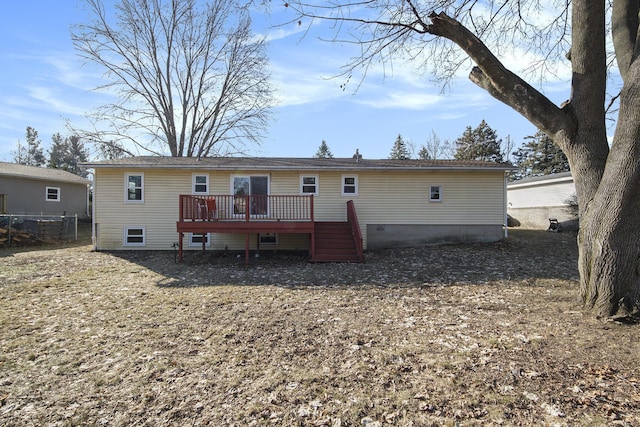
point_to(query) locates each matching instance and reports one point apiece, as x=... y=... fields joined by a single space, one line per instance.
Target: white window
x=268 y=239
x=52 y=194
x=309 y=184
x=200 y=184
x=435 y=193
x=134 y=236
x=349 y=185
x=134 y=188
x=196 y=239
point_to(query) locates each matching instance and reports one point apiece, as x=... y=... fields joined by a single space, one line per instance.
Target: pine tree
x=400 y=150
x=32 y=154
x=57 y=153
x=324 y=152
x=67 y=154
x=538 y=156
x=423 y=153
x=481 y=143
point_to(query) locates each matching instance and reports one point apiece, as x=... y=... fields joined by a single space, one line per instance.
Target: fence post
x=10 y=222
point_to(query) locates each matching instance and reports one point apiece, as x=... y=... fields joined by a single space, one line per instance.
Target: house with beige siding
x=333 y=208
x=31 y=190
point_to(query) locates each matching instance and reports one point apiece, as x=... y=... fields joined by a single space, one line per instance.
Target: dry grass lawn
x=460 y=335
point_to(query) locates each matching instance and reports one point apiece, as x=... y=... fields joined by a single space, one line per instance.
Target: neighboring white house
x=152 y=202
x=30 y=190
x=533 y=201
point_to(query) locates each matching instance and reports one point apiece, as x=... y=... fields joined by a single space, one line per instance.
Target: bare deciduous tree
x=434 y=148
x=444 y=35
x=191 y=79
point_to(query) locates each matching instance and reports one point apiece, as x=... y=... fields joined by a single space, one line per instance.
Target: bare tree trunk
x=609 y=240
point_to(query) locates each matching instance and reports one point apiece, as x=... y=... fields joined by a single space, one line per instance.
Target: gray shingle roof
x=292 y=163
x=33 y=172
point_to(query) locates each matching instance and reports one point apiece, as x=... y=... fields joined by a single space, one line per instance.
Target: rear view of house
x=30 y=190
x=295 y=204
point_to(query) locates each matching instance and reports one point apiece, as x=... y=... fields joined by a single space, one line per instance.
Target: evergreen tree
x=324 y=152
x=111 y=150
x=400 y=150
x=57 y=153
x=423 y=153
x=481 y=143
x=77 y=154
x=537 y=156
x=32 y=154
x=67 y=154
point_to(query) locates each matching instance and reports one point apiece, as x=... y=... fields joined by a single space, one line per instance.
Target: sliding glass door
x=251 y=191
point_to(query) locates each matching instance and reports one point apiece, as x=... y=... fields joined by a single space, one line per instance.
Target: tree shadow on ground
x=525 y=255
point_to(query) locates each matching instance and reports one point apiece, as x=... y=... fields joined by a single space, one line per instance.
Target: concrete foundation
x=538 y=218
x=381 y=236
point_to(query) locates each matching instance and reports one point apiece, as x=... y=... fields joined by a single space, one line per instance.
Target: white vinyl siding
x=543 y=194
x=384 y=197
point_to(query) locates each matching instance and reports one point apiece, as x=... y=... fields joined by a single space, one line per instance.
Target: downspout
x=506 y=216
x=94 y=238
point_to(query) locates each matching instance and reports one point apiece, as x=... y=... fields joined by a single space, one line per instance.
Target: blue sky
x=43 y=83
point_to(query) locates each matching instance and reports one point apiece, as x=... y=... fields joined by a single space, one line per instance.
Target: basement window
x=196 y=239
x=134 y=236
x=268 y=239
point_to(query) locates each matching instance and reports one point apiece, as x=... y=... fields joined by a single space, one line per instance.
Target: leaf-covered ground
x=458 y=335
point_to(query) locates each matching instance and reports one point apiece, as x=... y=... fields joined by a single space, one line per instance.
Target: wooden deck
x=257 y=214
x=245 y=215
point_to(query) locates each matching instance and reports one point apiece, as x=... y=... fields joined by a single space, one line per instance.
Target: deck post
x=180 y=248
x=246 y=249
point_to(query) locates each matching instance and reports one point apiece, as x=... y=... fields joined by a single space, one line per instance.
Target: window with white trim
x=435 y=193
x=134 y=235
x=268 y=239
x=200 y=184
x=349 y=185
x=134 y=188
x=196 y=239
x=52 y=194
x=309 y=184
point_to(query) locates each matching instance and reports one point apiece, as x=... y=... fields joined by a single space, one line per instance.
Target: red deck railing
x=245 y=208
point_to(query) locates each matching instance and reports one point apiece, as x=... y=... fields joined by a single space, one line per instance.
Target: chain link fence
x=20 y=230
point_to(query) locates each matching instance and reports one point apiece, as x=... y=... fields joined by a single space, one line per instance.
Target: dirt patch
x=444 y=335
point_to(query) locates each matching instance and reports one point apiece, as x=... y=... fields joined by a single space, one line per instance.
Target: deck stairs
x=335 y=242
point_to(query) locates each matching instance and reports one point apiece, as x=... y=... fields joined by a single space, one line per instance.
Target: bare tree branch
x=189 y=79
